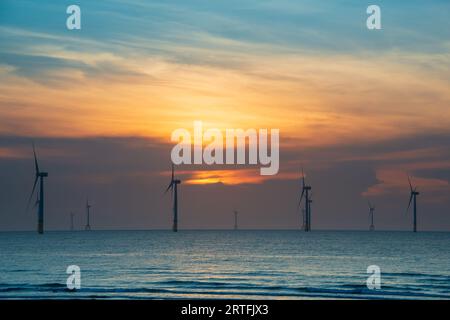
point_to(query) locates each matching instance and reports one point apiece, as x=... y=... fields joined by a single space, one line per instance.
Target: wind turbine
x=173 y=187
x=88 y=213
x=371 y=211
x=235 y=220
x=413 y=196
x=40 y=200
x=305 y=192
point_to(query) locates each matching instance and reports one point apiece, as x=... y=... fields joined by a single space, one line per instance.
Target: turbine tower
x=71 y=221
x=309 y=211
x=413 y=198
x=305 y=192
x=235 y=220
x=88 y=213
x=371 y=211
x=40 y=201
x=173 y=187
x=303 y=219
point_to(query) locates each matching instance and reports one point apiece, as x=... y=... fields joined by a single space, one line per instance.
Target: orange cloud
x=228 y=176
x=315 y=100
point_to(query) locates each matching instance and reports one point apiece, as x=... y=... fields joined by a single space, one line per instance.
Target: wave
x=437 y=277
x=191 y=289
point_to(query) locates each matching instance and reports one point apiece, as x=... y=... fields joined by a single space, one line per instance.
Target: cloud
x=358 y=110
x=395 y=181
x=126 y=177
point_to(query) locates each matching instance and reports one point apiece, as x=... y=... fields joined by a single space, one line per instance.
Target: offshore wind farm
x=190 y=149
x=303 y=255
x=305 y=197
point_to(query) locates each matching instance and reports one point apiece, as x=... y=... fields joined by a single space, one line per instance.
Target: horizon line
x=227 y=229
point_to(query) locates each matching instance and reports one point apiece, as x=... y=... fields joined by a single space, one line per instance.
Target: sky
x=358 y=109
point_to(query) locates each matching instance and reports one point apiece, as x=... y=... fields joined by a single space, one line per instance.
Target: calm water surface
x=225 y=264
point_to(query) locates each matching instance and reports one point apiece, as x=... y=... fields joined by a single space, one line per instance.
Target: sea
x=222 y=264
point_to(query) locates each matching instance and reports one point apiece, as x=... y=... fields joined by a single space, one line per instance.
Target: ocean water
x=225 y=264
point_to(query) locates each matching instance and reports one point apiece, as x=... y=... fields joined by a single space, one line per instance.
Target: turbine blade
x=409 y=204
x=410 y=185
x=170 y=187
x=301 y=197
x=32 y=192
x=35 y=161
x=303 y=178
x=36 y=203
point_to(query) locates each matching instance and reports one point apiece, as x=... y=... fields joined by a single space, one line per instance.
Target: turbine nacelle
x=413 y=190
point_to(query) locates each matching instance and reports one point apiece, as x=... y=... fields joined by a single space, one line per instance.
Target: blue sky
x=331 y=25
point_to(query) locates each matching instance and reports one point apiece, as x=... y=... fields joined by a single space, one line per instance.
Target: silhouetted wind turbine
x=371 y=211
x=88 y=213
x=413 y=197
x=305 y=192
x=173 y=187
x=40 y=201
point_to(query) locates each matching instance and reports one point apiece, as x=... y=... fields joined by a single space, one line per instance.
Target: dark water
x=225 y=264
